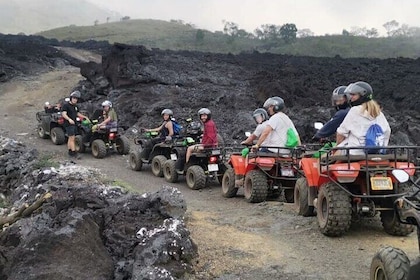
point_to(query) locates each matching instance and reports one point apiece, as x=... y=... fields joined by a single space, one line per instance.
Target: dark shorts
x=71 y=130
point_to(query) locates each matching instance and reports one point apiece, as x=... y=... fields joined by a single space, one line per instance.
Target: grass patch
x=46 y=160
x=120 y=183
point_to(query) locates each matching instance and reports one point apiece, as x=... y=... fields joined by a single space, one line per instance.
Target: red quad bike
x=262 y=174
x=51 y=125
x=391 y=263
x=346 y=187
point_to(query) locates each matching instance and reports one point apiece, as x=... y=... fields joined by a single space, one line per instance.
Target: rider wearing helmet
x=364 y=112
x=209 y=138
x=70 y=112
x=275 y=133
x=166 y=128
x=260 y=116
x=341 y=101
x=110 y=118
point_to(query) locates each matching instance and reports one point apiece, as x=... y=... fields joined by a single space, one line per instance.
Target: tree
x=199 y=36
x=288 y=32
x=107 y=19
x=345 y=33
x=303 y=33
x=391 y=27
x=96 y=22
x=230 y=28
x=125 y=18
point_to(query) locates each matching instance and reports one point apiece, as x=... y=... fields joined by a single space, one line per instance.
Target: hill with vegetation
x=175 y=35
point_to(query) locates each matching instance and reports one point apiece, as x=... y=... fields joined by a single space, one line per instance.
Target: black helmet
x=167 y=112
x=337 y=94
x=75 y=94
x=204 y=111
x=260 y=112
x=275 y=101
x=363 y=89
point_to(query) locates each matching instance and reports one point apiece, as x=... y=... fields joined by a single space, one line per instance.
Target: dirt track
x=236 y=240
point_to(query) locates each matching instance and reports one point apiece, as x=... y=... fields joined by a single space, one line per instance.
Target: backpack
x=374 y=138
x=176 y=127
x=292 y=139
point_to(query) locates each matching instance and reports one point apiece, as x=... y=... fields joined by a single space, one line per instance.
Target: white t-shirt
x=280 y=123
x=355 y=126
x=260 y=128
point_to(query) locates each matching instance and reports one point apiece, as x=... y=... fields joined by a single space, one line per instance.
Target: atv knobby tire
x=389 y=264
x=169 y=171
x=228 y=183
x=333 y=210
x=78 y=144
x=301 y=198
x=255 y=186
x=157 y=165
x=134 y=159
x=41 y=132
x=392 y=224
x=99 y=148
x=57 y=136
x=122 y=145
x=195 y=177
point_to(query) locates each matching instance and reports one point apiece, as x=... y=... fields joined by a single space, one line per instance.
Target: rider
x=209 y=134
x=340 y=100
x=70 y=112
x=364 y=112
x=276 y=132
x=109 y=117
x=260 y=116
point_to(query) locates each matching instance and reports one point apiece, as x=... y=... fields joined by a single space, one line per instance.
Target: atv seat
x=369 y=157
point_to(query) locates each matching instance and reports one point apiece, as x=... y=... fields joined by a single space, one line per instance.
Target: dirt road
x=236 y=240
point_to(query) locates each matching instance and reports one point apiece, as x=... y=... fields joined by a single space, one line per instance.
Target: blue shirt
x=330 y=128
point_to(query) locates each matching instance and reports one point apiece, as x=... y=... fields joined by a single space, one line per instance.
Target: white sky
x=321 y=16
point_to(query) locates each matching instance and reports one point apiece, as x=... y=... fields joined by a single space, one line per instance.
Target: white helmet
x=107 y=103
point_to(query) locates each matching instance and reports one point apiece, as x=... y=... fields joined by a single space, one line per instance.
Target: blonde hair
x=372 y=108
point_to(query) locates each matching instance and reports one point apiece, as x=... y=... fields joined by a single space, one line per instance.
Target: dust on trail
x=234 y=237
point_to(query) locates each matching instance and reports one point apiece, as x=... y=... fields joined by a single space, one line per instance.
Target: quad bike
x=262 y=174
x=391 y=263
x=346 y=187
x=101 y=141
x=51 y=125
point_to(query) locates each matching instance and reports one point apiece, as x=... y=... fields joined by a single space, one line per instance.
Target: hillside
x=29 y=16
x=175 y=36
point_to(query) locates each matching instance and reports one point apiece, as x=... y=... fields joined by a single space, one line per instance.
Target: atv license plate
x=113 y=129
x=174 y=157
x=287 y=173
x=381 y=183
x=213 y=167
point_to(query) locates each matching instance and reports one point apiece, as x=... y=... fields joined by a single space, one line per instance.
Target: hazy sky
x=321 y=16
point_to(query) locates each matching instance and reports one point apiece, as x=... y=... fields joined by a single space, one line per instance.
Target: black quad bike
x=391 y=263
x=50 y=125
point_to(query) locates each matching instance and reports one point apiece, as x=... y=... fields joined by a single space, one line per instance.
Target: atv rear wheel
x=99 y=148
x=157 y=165
x=57 y=136
x=78 y=144
x=169 y=171
x=228 y=183
x=301 y=198
x=390 y=221
x=123 y=145
x=389 y=264
x=333 y=210
x=134 y=160
x=41 y=132
x=195 y=177
x=255 y=186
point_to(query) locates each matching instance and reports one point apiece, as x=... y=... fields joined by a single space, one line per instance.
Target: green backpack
x=292 y=138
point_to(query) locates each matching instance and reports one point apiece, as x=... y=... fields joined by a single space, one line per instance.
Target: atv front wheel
x=169 y=171
x=255 y=186
x=41 y=132
x=195 y=177
x=333 y=210
x=389 y=264
x=301 y=198
x=157 y=165
x=134 y=159
x=57 y=136
x=228 y=183
x=99 y=148
x=78 y=144
x=123 y=145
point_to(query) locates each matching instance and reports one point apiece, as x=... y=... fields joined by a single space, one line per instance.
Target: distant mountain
x=31 y=16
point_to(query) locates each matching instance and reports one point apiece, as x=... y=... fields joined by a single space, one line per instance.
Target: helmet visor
x=355 y=89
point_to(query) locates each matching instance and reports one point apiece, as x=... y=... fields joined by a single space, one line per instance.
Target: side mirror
x=247 y=133
x=400 y=175
x=318 y=125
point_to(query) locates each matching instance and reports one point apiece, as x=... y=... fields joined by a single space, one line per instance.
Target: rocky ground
x=235 y=239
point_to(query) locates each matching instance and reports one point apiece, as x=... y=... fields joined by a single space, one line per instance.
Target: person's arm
x=339 y=138
x=263 y=136
x=66 y=117
x=156 y=129
x=249 y=140
x=170 y=128
x=80 y=115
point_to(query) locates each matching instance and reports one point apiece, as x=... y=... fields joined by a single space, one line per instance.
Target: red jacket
x=210 y=134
